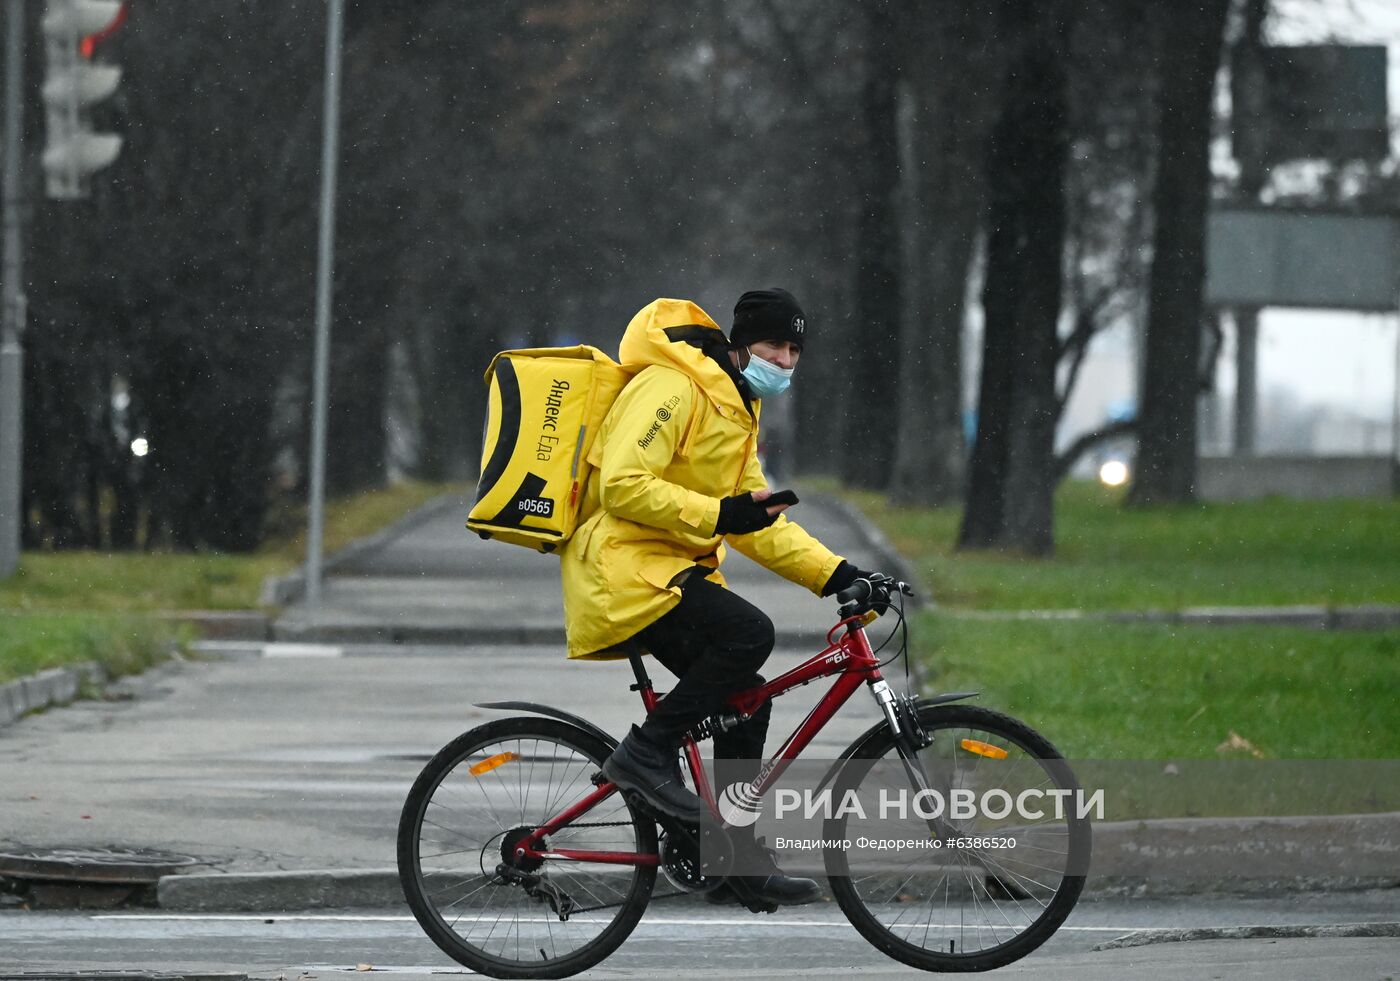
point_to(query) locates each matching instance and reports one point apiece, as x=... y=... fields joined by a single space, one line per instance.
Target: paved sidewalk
x=435 y=582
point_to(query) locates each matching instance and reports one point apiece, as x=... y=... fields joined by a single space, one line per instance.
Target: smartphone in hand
x=781 y=497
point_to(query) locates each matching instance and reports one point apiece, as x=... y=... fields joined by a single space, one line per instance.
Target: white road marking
x=260 y=648
x=284 y=649
x=646 y=921
x=388 y=969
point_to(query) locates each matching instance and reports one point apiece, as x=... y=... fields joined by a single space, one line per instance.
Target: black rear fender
x=553 y=713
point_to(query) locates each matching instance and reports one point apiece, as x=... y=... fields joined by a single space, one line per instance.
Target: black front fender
x=882 y=727
x=553 y=713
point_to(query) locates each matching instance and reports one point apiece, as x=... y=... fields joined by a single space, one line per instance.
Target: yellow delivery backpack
x=543 y=412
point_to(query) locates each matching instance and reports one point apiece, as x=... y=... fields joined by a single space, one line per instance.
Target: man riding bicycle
x=679 y=480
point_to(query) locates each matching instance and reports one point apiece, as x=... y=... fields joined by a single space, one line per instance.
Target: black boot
x=654 y=772
x=768 y=885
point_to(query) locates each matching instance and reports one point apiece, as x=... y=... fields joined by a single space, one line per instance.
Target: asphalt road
x=809 y=942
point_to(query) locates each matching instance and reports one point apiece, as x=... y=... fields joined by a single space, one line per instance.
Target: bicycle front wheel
x=472 y=804
x=994 y=889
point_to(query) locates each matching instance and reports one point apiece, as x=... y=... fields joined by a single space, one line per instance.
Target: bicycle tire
x=466 y=821
x=858 y=909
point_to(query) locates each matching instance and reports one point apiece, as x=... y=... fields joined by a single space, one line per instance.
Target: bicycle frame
x=848 y=657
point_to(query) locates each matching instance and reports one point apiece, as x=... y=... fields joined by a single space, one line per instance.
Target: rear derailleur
x=538 y=888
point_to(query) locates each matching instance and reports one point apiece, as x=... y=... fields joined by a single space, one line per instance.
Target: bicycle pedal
x=759 y=906
x=641 y=804
x=722 y=897
x=741 y=894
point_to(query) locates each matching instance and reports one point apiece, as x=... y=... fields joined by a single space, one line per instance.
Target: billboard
x=1316 y=101
x=1257 y=257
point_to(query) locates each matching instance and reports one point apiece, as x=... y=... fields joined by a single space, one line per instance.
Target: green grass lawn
x=145 y=581
x=1108 y=557
x=64 y=607
x=1108 y=690
x=1102 y=690
x=123 y=645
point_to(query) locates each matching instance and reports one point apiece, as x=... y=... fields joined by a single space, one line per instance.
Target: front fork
x=902 y=716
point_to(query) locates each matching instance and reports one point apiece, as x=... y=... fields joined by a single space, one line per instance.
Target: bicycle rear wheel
x=973 y=907
x=472 y=803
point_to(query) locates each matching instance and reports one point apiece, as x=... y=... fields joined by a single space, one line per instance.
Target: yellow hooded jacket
x=676 y=441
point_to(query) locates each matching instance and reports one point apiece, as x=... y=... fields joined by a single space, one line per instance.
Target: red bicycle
x=520 y=860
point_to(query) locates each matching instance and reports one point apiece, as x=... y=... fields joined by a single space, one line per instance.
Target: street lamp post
x=325 y=268
x=12 y=300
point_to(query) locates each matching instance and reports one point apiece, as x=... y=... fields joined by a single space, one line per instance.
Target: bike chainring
x=680 y=861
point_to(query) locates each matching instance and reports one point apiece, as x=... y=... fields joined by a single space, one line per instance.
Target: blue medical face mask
x=765 y=378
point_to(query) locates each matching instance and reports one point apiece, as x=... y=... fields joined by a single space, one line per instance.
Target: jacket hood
x=659 y=334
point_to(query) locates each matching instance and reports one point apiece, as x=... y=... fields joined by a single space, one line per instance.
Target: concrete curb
x=252 y=891
x=224 y=624
x=1141 y=938
x=1191 y=846
x=1252 y=855
x=466 y=636
x=1368 y=617
x=54 y=686
x=288 y=588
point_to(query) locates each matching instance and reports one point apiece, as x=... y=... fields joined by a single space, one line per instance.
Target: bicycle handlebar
x=876 y=590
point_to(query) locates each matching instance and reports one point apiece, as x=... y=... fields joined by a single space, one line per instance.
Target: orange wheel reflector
x=491 y=762
x=983 y=749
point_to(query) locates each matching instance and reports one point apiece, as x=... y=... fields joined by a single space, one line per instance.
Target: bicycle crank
x=681 y=862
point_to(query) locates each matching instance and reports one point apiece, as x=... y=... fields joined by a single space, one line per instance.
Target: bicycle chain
x=616 y=824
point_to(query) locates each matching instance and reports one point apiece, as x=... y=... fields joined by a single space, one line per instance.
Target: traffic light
x=73 y=29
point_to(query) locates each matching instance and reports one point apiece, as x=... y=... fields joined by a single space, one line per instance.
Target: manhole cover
x=119 y=866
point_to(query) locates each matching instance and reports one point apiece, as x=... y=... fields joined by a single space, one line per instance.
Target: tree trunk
x=450 y=359
x=1010 y=492
x=818 y=444
x=1166 y=461
x=869 y=419
x=444 y=376
x=946 y=122
x=355 y=434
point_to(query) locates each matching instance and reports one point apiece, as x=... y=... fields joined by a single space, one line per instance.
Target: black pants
x=714 y=642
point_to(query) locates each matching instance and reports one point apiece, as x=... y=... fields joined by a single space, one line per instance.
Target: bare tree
x=951 y=59
x=1108 y=222
x=1010 y=490
x=1192 y=37
x=878 y=282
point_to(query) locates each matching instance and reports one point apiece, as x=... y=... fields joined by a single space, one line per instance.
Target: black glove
x=845 y=575
x=741 y=514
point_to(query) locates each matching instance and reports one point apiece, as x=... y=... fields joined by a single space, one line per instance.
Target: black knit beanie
x=768 y=315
